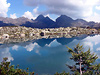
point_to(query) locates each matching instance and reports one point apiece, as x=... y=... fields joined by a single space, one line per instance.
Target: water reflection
x=31 y=46
x=4 y=52
x=15 y=47
x=47 y=56
x=92 y=42
x=54 y=43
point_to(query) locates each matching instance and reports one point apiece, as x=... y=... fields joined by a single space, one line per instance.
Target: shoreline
x=26 y=34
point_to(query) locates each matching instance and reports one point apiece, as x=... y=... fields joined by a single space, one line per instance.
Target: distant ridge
x=46 y=22
x=18 y=21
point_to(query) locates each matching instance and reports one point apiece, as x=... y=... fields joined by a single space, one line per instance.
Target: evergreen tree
x=84 y=61
x=6 y=69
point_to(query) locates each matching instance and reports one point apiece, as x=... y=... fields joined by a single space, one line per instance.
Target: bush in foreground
x=6 y=69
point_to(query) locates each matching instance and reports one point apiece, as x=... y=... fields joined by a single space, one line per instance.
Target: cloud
x=31 y=2
x=97 y=7
x=15 y=47
x=31 y=15
x=32 y=46
x=98 y=49
x=47 y=15
x=88 y=45
x=54 y=43
x=90 y=41
x=95 y=17
x=94 y=39
x=28 y=15
x=13 y=16
x=5 y=53
x=96 y=43
x=35 y=10
x=4 y=7
x=72 y=8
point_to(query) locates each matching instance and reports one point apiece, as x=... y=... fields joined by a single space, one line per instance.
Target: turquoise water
x=47 y=56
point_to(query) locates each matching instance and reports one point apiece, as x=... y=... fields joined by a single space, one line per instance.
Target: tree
x=6 y=69
x=63 y=73
x=84 y=60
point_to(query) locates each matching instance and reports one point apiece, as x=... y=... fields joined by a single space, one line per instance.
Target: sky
x=76 y=9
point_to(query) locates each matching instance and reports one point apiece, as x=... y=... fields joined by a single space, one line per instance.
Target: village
x=20 y=33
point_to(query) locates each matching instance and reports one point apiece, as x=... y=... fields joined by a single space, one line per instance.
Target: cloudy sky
x=85 y=9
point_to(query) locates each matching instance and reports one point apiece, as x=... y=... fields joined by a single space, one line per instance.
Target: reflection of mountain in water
x=35 y=44
x=63 y=41
x=47 y=55
x=43 y=42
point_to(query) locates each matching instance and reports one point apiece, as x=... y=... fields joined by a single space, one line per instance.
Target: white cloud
x=47 y=15
x=54 y=43
x=35 y=10
x=96 y=43
x=98 y=49
x=5 y=53
x=88 y=45
x=4 y=7
x=95 y=39
x=72 y=8
x=95 y=17
x=32 y=46
x=91 y=42
x=97 y=7
x=88 y=42
x=28 y=15
x=31 y=15
x=13 y=16
x=15 y=47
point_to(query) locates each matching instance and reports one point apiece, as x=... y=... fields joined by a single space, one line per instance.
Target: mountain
x=40 y=22
x=18 y=21
x=64 y=21
x=46 y=22
x=79 y=23
x=5 y=24
x=40 y=18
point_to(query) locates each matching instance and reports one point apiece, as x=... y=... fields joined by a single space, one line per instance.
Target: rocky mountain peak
x=46 y=22
x=64 y=17
x=39 y=18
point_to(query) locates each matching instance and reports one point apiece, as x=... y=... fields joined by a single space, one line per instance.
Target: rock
x=5 y=36
x=22 y=35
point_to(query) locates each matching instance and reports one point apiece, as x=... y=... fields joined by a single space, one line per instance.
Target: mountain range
x=46 y=22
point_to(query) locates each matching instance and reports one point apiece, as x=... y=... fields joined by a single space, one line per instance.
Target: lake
x=47 y=56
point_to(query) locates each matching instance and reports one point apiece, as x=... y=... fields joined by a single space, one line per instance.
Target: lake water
x=47 y=56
